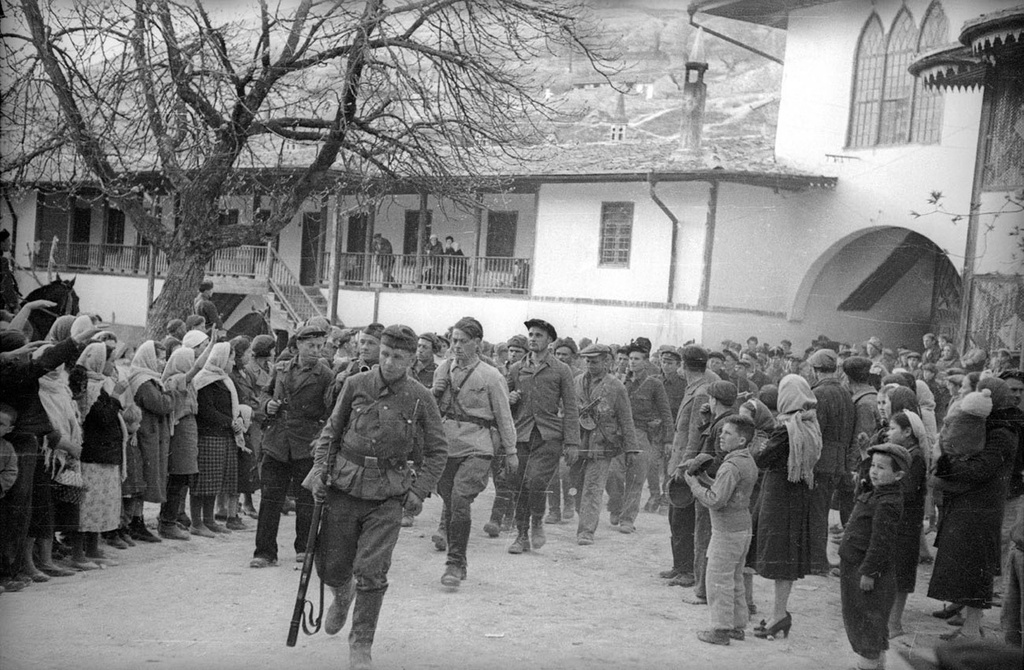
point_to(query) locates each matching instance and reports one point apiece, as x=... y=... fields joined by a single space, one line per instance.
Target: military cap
x=399 y=337
x=731 y=354
x=694 y=354
x=309 y=331
x=641 y=344
x=263 y=345
x=567 y=342
x=857 y=367
x=824 y=359
x=543 y=325
x=670 y=351
x=374 y=330
x=596 y=350
x=435 y=342
x=470 y=327
x=723 y=392
x=518 y=341
x=913 y=354
x=899 y=454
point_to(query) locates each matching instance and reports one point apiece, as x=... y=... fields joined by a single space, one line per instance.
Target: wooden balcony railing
x=245 y=261
x=479 y=274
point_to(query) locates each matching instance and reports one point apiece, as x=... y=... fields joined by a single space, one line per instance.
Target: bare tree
x=174 y=97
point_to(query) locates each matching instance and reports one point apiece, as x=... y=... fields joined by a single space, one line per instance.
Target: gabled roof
x=772 y=13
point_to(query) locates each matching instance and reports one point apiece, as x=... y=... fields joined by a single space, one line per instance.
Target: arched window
x=867 y=85
x=926 y=123
x=898 y=91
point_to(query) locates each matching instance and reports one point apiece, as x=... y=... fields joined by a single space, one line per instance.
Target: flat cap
x=716 y=354
x=518 y=341
x=899 y=453
x=913 y=354
x=824 y=359
x=435 y=342
x=374 y=330
x=309 y=331
x=857 y=366
x=543 y=325
x=399 y=337
x=723 y=392
x=694 y=354
x=567 y=342
x=596 y=350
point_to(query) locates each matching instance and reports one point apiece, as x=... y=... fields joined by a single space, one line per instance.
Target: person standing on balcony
x=385 y=259
x=297 y=401
x=537 y=383
x=433 y=274
x=204 y=306
x=456 y=265
x=10 y=296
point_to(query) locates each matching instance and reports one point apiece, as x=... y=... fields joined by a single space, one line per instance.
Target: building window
x=114 y=233
x=227 y=218
x=412 y=224
x=618 y=133
x=888 y=106
x=616 y=233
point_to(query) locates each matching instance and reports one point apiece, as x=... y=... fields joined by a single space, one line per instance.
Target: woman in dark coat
x=154 y=433
x=783 y=525
x=973 y=494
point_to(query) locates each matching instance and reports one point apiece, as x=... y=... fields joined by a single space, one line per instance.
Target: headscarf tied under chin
x=215 y=370
x=94 y=359
x=176 y=381
x=145 y=367
x=61 y=329
x=797 y=413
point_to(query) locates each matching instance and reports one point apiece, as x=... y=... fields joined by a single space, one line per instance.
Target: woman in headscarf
x=133 y=483
x=183 y=455
x=145 y=379
x=788 y=459
x=764 y=424
x=103 y=444
x=248 y=390
x=218 y=421
x=970 y=522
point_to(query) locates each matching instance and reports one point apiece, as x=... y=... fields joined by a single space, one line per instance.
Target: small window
x=618 y=133
x=616 y=233
x=228 y=218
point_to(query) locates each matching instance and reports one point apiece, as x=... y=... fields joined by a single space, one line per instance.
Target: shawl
x=176 y=381
x=764 y=423
x=924 y=441
x=61 y=329
x=926 y=400
x=61 y=409
x=797 y=413
x=214 y=371
x=145 y=367
x=94 y=359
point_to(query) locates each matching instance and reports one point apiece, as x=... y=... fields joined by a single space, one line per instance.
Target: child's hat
x=977 y=403
x=897 y=452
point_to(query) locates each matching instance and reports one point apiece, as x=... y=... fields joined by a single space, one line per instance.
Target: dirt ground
x=198 y=605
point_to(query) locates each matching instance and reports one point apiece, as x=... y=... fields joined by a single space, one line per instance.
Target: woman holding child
x=973 y=489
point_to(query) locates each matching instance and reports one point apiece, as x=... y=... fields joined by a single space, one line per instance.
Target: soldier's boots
x=337 y=613
x=364 y=626
x=537 y=531
x=492 y=529
x=522 y=543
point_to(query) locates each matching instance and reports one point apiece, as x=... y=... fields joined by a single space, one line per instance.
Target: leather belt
x=372 y=461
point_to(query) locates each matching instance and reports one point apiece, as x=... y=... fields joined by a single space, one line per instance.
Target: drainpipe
x=731 y=40
x=709 y=246
x=652 y=182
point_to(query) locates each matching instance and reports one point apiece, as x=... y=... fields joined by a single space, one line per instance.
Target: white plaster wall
x=114 y=298
x=24 y=206
x=504 y=317
x=568 y=242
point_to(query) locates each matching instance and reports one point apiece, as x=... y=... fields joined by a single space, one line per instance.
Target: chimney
x=695 y=93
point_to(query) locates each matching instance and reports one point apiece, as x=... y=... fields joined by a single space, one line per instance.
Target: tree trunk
x=184 y=272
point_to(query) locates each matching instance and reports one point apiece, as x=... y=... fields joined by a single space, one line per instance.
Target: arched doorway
x=888 y=282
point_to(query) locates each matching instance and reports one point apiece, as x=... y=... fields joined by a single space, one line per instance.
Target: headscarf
x=214 y=371
x=903 y=399
x=82 y=323
x=764 y=423
x=61 y=328
x=145 y=367
x=176 y=382
x=1002 y=398
x=926 y=400
x=94 y=359
x=797 y=412
x=194 y=338
x=61 y=409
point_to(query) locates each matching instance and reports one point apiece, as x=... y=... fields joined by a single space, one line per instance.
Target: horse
x=62 y=293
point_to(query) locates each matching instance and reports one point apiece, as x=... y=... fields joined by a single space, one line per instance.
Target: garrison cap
x=399 y=337
x=543 y=325
x=824 y=359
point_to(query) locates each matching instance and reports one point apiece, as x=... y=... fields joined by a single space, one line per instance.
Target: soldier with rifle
x=380 y=416
x=606 y=430
x=296 y=403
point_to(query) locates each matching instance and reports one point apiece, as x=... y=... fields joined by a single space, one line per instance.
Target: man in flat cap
x=427 y=347
x=681 y=519
x=205 y=307
x=361 y=471
x=606 y=431
x=297 y=401
x=865 y=424
x=473 y=399
x=653 y=421
x=537 y=384
x=837 y=418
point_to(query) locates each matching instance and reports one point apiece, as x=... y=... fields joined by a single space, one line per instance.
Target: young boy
x=728 y=499
x=867 y=579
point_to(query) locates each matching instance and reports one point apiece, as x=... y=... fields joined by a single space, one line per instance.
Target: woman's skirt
x=213 y=466
x=100 y=509
x=184 y=452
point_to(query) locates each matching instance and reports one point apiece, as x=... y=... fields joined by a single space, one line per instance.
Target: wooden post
x=421 y=233
x=332 y=289
x=151 y=277
x=709 y=247
x=475 y=269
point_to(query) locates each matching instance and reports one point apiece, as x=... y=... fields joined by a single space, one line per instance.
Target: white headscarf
x=145 y=367
x=176 y=382
x=94 y=359
x=194 y=338
x=215 y=370
x=797 y=412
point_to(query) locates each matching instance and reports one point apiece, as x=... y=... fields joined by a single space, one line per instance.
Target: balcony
x=249 y=268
